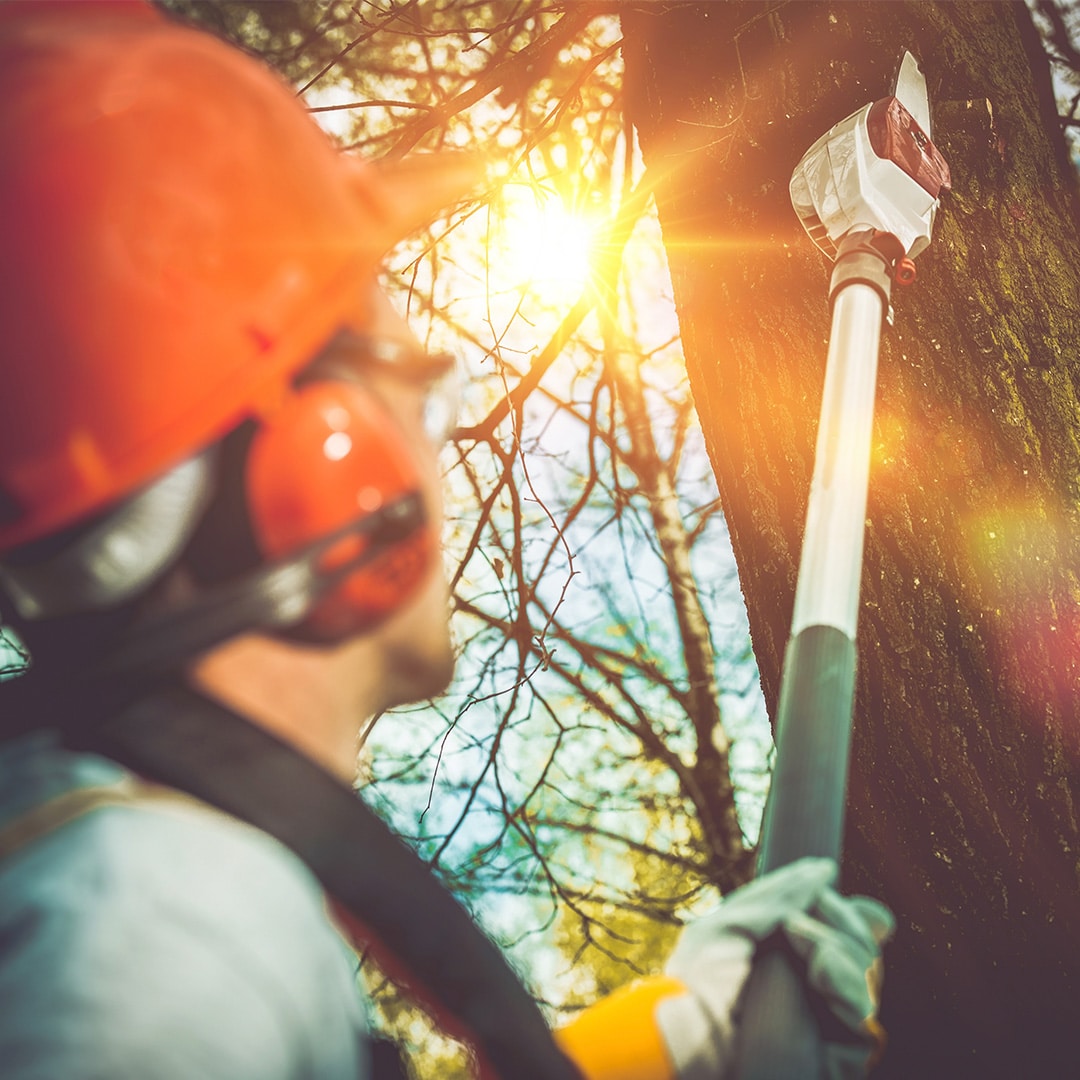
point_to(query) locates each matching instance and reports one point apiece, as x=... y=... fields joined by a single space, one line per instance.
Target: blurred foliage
x=1058 y=22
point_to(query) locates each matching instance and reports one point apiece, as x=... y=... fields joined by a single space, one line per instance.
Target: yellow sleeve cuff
x=618 y=1037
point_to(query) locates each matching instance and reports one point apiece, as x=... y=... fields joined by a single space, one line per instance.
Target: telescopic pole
x=866 y=192
x=779 y=1035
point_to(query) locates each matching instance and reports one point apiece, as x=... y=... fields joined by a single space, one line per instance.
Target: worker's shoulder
x=77 y=826
x=121 y=900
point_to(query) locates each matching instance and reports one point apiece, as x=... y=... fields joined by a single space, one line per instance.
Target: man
x=219 y=512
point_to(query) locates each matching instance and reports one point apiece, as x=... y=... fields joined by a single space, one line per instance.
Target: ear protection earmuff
x=331 y=454
x=331 y=515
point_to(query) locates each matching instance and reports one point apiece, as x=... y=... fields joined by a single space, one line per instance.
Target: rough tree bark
x=966 y=764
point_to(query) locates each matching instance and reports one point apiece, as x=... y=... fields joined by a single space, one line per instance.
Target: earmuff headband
x=273 y=597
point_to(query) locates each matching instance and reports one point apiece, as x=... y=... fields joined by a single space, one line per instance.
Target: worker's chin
x=415 y=652
x=416 y=674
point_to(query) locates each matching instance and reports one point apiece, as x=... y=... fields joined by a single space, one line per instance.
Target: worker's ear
x=403 y=196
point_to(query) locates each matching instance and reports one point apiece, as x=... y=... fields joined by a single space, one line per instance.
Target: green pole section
x=779 y=1035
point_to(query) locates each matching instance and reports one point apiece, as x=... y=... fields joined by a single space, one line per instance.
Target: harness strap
x=68 y=806
x=54 y=814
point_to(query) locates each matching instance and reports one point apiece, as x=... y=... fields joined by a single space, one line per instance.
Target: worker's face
x=413 y=647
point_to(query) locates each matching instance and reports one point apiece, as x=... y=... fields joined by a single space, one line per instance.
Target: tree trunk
x=966 y=763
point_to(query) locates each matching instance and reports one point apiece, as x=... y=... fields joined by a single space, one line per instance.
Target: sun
x=541 y=246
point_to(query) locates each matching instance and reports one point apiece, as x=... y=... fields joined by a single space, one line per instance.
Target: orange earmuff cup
x=329 y=455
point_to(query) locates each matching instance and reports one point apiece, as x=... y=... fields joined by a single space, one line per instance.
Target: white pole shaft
x=830 y=569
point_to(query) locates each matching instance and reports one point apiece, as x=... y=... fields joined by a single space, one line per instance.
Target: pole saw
x=866 y=192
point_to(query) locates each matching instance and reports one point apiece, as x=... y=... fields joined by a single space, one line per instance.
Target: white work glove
x=838 y=938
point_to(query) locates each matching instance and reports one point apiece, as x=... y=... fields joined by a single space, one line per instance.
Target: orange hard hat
x=179 y=237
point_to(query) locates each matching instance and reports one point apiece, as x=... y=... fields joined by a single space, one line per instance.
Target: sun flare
x=541 y=246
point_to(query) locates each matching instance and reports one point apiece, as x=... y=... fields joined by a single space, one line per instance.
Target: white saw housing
x=877 y=169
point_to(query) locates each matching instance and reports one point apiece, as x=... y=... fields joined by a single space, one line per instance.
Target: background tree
x=962 y=801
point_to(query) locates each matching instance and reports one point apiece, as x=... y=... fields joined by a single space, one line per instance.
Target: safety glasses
x=351 y=355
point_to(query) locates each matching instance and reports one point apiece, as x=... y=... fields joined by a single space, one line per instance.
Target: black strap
x=274 y=596
x=180 y=738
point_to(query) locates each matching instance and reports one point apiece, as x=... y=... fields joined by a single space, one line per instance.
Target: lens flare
x=541 y=246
